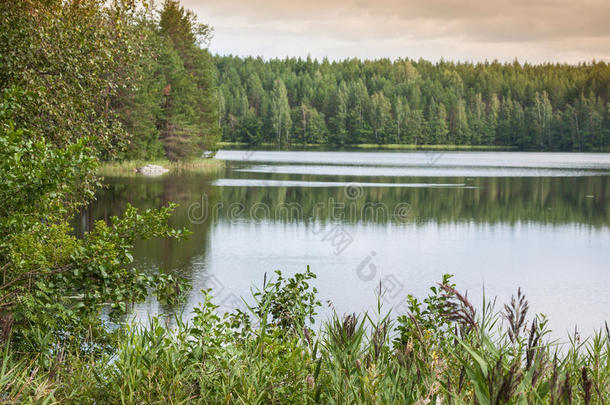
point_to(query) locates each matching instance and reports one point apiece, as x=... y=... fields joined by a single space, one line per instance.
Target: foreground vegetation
x=442 y=350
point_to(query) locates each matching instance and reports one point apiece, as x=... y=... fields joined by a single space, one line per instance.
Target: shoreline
x=127 y=168
x=388 y=146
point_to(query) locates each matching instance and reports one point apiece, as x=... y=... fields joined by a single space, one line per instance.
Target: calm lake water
x=497 y=221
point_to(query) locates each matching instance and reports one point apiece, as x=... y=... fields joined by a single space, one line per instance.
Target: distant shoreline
x=390 y=146
x=368 y=146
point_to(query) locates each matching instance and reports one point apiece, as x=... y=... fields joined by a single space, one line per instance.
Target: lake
x=495 y=220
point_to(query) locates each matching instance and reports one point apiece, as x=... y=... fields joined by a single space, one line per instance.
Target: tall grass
x=444 y=350
x=128 y=168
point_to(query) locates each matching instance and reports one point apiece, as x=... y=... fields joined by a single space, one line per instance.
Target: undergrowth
x=444 y=350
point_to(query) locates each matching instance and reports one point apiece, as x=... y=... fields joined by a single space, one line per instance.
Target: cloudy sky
x=467 y=30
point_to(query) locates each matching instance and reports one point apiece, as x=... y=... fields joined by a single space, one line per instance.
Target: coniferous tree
x=280 y=112
x=189 y=118
x=380 y=115
x=503 y=105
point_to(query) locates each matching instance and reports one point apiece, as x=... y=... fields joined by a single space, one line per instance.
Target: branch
x=31 y=273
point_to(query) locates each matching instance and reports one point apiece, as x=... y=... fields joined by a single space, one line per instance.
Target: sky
x=535 y=31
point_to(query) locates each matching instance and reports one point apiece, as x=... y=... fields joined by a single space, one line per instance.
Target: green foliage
x=249 y=129
x=187 y=122
x=138 y=86
x=528 y=107
x=288 y=303
x=51 y=279
x=21 y=382
x=279 y=112
x=427 y=316
x=39 y=182
x=82 y=80
x=73 y=59
x=445 y=353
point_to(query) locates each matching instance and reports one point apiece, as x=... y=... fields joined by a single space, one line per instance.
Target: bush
x=462 y=356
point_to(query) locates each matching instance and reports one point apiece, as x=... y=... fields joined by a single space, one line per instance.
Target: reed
x=128 y=168
x=444 y=350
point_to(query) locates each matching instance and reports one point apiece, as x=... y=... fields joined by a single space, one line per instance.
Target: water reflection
x=547 y=234
x=426 y=171
x=427 y=159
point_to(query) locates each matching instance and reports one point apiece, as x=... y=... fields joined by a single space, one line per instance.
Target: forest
x=137 y=81
x=549 y=107
x=89 y=81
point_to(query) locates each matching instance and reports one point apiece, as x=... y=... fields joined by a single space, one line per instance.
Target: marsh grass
x=128 y=168
x=444 y=350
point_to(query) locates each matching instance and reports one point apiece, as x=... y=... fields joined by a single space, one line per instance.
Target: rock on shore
x=152 y=170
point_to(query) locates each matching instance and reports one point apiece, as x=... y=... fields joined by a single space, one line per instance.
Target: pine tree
x=461 y=130
x=482 y=104
x=280 y=112
x=189 y=121
x=380 y=116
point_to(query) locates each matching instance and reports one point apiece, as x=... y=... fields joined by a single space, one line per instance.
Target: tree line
x=137 y=80
x=550 y=107
x=173 y=111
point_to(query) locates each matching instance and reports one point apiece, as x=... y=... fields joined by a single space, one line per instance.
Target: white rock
x=152 y=170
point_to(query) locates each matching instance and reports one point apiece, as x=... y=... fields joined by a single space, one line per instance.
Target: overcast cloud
x=534 y=31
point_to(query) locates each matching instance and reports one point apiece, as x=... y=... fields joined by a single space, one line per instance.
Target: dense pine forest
x=551 y=107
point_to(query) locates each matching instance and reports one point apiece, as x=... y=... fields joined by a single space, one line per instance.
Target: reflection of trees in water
x=494 y=200
x=552 y=200
x=143 y=193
